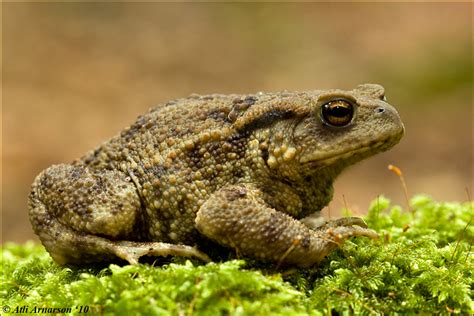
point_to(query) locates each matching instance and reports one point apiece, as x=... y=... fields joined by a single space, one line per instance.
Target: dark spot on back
x=250 y=100
x=195 y=153
x=265 y=154
x=218 y=114
x=305 y=242
x=239 y=106
x=76 y=173
x=235 y=193
x=237 y=173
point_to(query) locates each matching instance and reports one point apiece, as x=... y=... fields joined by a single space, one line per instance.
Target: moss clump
x=423 y=263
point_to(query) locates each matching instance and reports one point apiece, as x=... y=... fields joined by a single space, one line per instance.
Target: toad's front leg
x=238 y=217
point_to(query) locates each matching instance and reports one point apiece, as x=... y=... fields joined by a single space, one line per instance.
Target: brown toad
x=239 y=170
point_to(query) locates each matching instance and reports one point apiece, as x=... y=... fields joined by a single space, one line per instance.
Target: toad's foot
x=132 y=251
x=341 y=229
x=319 y=223
x=338 y=234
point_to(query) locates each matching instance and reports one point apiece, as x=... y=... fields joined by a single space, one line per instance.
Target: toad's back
x=177 y=155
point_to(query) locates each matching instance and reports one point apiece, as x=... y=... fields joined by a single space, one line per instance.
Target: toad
x=237 y=170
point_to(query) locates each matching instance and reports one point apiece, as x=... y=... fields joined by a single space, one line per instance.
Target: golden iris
x=338 y=112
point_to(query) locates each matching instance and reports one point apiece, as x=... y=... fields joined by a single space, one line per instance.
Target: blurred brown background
x=76 y=74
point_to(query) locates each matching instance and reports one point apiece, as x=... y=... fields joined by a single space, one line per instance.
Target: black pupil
x=339 y=110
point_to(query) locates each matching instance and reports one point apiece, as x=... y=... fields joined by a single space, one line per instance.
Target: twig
x=399 y=173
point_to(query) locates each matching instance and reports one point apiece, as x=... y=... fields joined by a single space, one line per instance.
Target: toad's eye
x=337 y=112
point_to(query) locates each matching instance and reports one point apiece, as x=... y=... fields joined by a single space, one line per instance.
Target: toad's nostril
x=379 y=110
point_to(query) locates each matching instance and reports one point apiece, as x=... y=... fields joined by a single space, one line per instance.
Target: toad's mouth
x=351 y=155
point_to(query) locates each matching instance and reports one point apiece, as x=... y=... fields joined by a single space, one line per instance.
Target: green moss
x=423 y=263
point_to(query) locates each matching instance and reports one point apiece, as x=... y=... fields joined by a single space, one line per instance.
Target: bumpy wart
x=237 y=170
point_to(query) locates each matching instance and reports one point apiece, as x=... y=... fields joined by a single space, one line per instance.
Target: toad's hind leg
x=82 y=217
